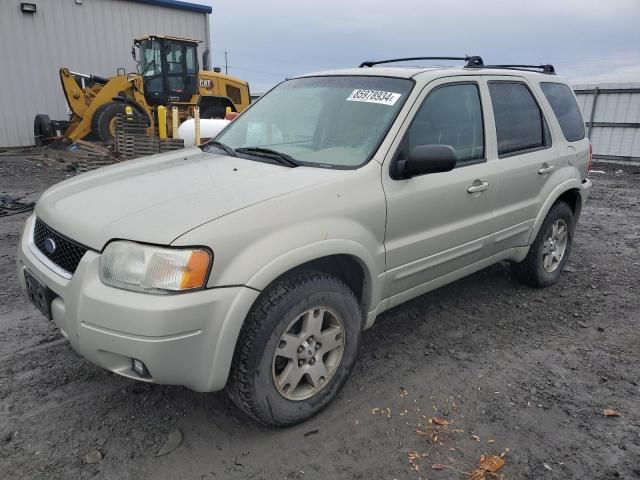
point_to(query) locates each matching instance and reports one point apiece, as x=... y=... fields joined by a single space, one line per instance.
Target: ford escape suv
x=254 y=262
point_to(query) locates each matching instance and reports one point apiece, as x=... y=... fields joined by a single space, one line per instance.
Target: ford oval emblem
x=49 y=245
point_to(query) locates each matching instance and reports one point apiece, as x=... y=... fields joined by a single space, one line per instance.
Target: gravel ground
x=512 y=370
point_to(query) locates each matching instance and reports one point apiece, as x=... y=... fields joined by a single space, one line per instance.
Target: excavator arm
x=84 y=102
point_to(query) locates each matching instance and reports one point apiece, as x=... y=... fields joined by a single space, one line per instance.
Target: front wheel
x=104 y=120
x=550 y=250
x=296 y=350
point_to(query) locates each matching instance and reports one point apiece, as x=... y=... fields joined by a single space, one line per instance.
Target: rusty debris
x=488 y=466
x=439 y=421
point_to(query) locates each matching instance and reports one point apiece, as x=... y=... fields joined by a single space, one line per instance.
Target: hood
x=159 y=198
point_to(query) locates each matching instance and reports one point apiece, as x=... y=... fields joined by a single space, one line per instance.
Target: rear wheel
x=103 y=122
x=296 y=350
x=42 y=129
x=550 y=250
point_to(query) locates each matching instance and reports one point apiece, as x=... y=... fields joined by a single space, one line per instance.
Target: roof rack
x=472 y=61
x=547 y=68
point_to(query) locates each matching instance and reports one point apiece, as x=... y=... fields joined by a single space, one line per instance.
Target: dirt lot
x=508 y=367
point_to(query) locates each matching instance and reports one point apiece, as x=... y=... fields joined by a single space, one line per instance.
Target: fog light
x=139 y=367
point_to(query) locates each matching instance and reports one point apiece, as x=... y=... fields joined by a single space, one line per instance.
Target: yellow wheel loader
x=168 y=75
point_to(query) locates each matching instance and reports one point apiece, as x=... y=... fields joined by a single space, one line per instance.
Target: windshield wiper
x=222 y=146
x=282 y=158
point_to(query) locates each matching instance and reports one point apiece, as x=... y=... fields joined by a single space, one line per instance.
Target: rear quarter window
x=566 y=110
x=520 y=124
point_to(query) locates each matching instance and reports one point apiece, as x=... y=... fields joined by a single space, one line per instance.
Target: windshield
x=150 y=62
x=324 y=121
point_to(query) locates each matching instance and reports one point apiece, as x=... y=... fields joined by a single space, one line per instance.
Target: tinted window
x=565 y=107
x=451 y=115
x=519 y=121
x=234 y=94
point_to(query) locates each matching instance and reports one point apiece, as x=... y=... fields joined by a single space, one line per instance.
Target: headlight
x=145 y=268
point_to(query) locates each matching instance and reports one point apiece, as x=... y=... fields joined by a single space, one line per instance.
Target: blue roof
x=178 y=4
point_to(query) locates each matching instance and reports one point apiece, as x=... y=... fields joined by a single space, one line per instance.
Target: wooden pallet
x=88 y=164
x=132 y=140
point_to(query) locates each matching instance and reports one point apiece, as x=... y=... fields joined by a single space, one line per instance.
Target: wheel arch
x=347 y=260
x=346 y=267
x=349 y=267
x=568 y=192
x=206 y=102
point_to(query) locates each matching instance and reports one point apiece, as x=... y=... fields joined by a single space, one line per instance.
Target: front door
x=440 y=223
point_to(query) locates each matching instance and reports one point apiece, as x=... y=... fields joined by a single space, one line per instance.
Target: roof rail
x=547 y=68
x=472 y=61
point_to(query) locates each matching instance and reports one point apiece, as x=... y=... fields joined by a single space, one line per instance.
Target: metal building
x=612 y=114
x=39 y=37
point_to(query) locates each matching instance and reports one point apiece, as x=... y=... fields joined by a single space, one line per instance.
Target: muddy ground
x=515 y=371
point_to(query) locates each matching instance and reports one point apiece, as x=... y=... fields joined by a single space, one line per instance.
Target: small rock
x=569 y=269
x=173 y=441
x=600 y=329
x=460 y=355
x=93 y=456
x=583 y=325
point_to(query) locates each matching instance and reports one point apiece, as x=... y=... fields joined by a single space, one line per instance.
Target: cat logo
x=204 y=83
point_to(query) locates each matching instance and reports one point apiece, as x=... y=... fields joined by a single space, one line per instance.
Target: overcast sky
x=587 y=40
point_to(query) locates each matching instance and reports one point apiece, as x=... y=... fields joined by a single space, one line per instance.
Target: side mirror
x=133 y=53
x=425 y=159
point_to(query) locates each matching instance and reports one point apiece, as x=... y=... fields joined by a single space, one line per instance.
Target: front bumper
x=184 y=339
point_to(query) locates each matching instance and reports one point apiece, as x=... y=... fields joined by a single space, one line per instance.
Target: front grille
x=67 y=253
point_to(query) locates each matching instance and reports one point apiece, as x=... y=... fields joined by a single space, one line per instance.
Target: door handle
x=547 y=169
x=478 y=187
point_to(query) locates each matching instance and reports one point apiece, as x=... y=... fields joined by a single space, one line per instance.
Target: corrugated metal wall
x=614 y=124
x=93 y=37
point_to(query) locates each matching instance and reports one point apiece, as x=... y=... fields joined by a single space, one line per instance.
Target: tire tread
x=239 y=387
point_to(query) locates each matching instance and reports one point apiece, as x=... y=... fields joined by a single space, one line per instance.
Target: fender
x=294 y=258
x=242 y=304
x=571 y=184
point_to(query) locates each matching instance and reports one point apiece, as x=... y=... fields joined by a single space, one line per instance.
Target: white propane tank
x=209 y=128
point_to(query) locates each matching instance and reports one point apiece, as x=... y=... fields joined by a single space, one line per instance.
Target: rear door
x=526 y=157
x=439 y=223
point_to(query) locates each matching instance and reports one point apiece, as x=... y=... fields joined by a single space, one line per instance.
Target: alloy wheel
x=308 y=353
x=555 y=245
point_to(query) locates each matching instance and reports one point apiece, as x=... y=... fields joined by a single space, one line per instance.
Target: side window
x=191 y=60
x=520 y=124
x=451 y=115
x=566 y=109
x=234 y=94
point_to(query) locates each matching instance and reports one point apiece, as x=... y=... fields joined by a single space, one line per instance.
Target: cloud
x=268 y=41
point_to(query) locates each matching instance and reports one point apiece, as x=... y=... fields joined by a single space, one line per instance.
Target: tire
x=42 y=129
x=536 y=270
x=103 y=121
x=256 y=383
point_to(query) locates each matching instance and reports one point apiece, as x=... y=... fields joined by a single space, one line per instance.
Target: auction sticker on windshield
x=374 y=96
